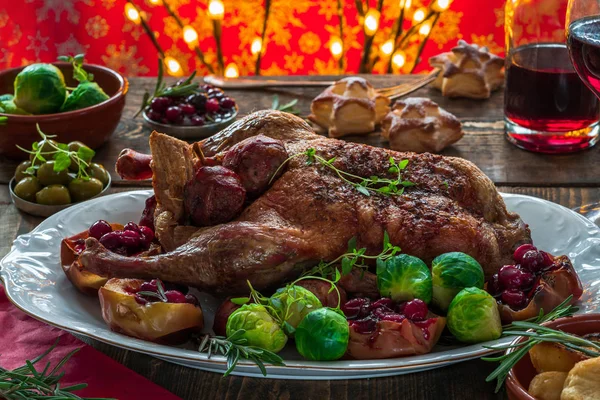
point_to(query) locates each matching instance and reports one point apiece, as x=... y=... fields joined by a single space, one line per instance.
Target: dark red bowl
x=92 y=125
x=522 y=373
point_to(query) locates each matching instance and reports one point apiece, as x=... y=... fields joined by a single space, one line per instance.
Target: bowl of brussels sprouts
x=75 y=101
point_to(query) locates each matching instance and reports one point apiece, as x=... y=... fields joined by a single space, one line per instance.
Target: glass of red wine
x=547 y=108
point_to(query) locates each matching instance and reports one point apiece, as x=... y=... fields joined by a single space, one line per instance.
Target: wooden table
x=570 y=180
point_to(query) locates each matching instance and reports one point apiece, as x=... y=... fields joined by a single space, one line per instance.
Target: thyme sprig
x=536 y=334
x=287 y=107
x=235 y=347
x=26 y=382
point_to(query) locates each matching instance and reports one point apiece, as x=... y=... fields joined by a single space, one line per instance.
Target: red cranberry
x=381 y=311
x=174 y=296
x=140 y=300
x=154 y=116
x=147 y=218
x=493 y=286
x=130 y=239
x=147 y=235
x=131 y=226
x=521 y=250
x=365 y=325
x=160 y=104
x=394 y=317
x=532 y=261
x=191 y=299
x=197 y=120
x=207 y=87
x=79 y=248
x=197 y=100
x=187 y=109
x=415 y=310
x=515 y=299
x=227 y=102
x=547 y=259
x=212 y=105
x=356 y=308
x=383 y=302
x=151 y=286
x=111 y=240
x=511 y=277
x=173 y=114
x=99 y=229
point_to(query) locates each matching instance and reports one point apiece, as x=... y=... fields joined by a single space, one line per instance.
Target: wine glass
x=583 y=42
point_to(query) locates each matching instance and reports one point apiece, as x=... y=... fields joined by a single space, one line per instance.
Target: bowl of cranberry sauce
x=198 y=115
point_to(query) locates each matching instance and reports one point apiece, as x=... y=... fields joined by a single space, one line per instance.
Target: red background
x=297 y=36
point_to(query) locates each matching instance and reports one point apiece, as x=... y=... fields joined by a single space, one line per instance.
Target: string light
x=371 y=21
x=132 y=13
x=155 y=2
x=425 y=29
x=336 y=47
x=190 y=35
x=173 y=66
x=231 y=71
x=405 y=4
x=216 y=9
x=256 y=46
x=387 y=47
x=419 y=15
x=441 y=5
x=399 y=59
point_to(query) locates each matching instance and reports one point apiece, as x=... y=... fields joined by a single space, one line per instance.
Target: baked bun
x=349 y=106
x=468 y=71
x=420 y=125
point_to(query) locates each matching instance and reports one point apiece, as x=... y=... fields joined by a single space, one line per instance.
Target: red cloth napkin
x=24 y=338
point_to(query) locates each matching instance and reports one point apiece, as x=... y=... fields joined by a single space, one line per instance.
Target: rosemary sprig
x=287 y=107
x=536 y=334
x=234 y=347
x=26 y=382
x=159 y=294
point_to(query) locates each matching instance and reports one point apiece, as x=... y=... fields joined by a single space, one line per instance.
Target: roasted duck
x=308 y=213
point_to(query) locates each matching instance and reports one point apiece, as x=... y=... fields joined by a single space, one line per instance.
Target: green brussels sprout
x=292 y=304
x=40 y=89
x=404 y=278
x=261 y=330
x=451 y=273
x=473 y=316
x=86 y=94
x=6 y=97
x=9 y=107
x=323 y=335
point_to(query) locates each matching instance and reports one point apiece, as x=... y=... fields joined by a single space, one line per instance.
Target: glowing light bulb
x=173 y=66
x=231 y=71
x=336 y=47
x=155 y=2
x=132 y=13
x=216 y=9
x=441 y=5
x=256 y=46
x=405 y=4
x=387 y=47
x=399 y=59
x=371 y=21
x=189 y=34
x=425 y=29
x=419 y=15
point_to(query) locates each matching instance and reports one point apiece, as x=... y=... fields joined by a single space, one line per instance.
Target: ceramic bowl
x=41 y=210
x=522 y=373
x=190 y=132
x=91 y=125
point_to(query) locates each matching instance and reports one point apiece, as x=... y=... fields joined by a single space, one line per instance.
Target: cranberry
x=493 y=286
x=154 y=116
x=394 y=317
x=383 y=302
x=197 y=120
x=173 y=114
x=511 y=277
x=140 y=300
x=416 y=310
x=191 y=299
x=547 y=259
x=212 y=105
x=131 y=226
x=187 y=109
x=176 y=287
x=515 y=299
x=79 y=248
x=532 y=261
x=521 y=250
x=197 y=100
x=151 y=286
x=180 y=82
x=147 y=218
x=160 y=104
x=174 y=296
x=147 y=235
x=215 y=93
x=207 y=87
x=381 y=311
x=227 y=102
x=99 y=229
x=111 y=240
x=365 y=325
x=356 y=308
x=130 y=239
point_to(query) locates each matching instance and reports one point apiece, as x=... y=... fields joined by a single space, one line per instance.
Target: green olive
x=75 y=146
x=20 y=171
x=48 y=176
x=47 y=150
x=27 y=188
x=82 y=190
x=53 y=195
x=99 y=172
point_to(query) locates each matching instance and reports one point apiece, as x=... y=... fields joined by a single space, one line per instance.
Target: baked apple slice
x=146 y=310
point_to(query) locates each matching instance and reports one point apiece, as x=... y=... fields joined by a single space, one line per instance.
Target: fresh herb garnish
x=536 y=334
x=79 y=74
x=62 y=156
x=234 y=347
x=287 y=107
x=162 y=90
x=159 y=294
x=26 y=382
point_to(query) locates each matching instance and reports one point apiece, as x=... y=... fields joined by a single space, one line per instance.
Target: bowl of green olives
x=56 y=176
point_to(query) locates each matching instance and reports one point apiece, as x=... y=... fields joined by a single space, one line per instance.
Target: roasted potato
x=583 y=381
x=554 y=357
x=547 y=385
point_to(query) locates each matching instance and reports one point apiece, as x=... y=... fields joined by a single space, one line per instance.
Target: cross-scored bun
x=420 y=125
x=468 y=71
x=349 y=106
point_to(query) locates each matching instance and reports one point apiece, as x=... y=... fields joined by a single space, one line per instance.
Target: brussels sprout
x=404 y=278
x=292 y=304
x=40 y=89
x=9 y=107
x=7 y=97
x=473 y=316
x=451 y=273
x=86 y=94
x=323 y=335
x=261 y=330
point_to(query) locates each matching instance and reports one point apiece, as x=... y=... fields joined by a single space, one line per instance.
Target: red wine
x=584 y=44
x=544 y=93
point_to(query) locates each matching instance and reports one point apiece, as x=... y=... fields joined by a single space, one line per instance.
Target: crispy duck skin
x=309 y=214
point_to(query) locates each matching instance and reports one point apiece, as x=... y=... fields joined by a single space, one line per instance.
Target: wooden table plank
x=484 y=141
